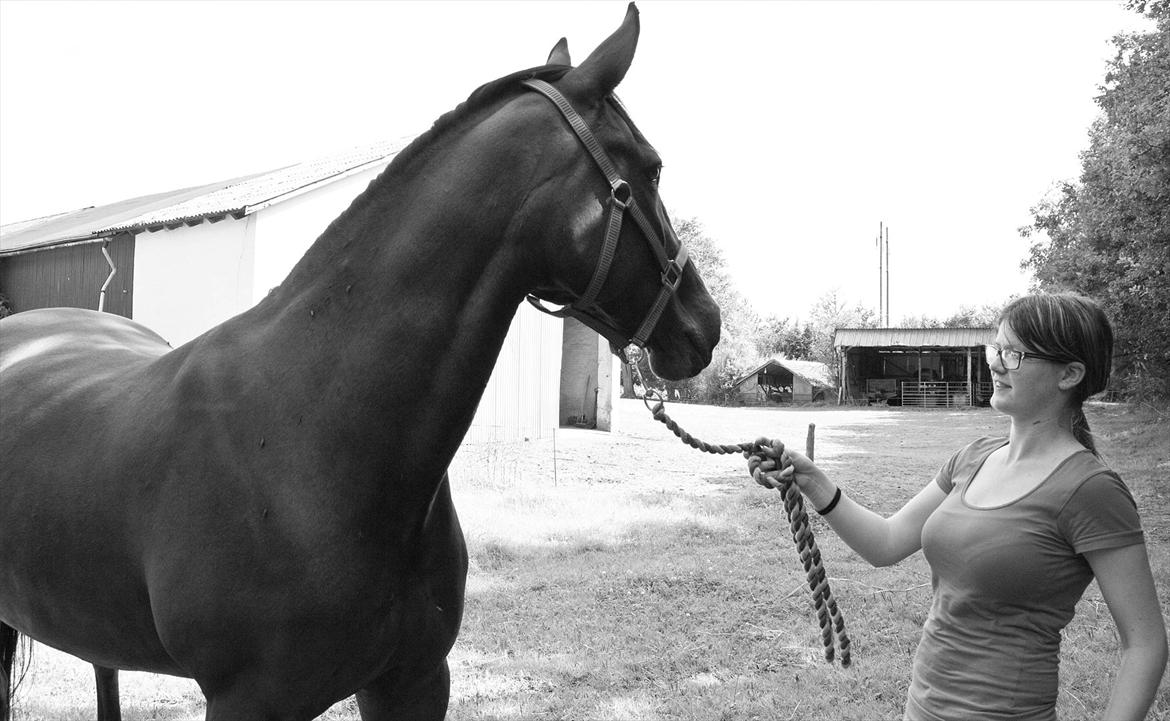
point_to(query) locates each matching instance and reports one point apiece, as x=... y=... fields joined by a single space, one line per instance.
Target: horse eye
x=655 y=175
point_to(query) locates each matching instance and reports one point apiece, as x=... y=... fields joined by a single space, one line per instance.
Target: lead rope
x=765 y=462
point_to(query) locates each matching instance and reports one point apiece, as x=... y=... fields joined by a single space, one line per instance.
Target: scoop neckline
x=1037 y=487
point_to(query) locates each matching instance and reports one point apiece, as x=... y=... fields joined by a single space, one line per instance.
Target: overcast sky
x=790 y=129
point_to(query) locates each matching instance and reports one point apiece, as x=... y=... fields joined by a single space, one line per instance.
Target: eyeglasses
x=1011 y=358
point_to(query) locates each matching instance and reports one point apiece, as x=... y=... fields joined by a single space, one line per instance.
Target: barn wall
x=71 y=277
x=589 y=373
x=609 y=376
x=749 y=393
x=191 y=279
x=520 y=400
x=284 y=231
x=802 y=390
x=578 y=384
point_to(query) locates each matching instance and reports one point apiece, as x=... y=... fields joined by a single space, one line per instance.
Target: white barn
x=186 y=260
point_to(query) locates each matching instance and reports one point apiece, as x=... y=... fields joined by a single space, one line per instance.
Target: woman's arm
x=881 y=541
x=1127 y=584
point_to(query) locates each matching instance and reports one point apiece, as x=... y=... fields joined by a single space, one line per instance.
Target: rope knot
x=766 y=461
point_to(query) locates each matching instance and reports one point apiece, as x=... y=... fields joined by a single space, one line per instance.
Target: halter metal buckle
x=621 y=193
x=672 y=275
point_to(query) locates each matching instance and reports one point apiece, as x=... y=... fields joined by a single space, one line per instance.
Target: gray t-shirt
x=1006 y=581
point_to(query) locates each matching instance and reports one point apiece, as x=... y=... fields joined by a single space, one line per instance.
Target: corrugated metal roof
x=237 y=197
x=815 y=372
x=912 y=337
x=87 y=223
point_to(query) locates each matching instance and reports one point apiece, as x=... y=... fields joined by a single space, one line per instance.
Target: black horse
x=266 y=509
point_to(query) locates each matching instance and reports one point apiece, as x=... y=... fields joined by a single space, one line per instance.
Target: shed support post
x=842 y=366
x=970 y=388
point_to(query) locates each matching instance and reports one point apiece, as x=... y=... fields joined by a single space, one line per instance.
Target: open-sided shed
x=781 y=380
x=914 y=366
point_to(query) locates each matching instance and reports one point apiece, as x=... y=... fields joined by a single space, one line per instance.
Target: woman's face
x=1032 y=389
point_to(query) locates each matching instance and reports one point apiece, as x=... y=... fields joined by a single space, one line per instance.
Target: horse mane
x=482 y=96
x=491 y=92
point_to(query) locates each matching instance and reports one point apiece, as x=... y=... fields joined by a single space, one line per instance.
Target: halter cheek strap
x=621 y=201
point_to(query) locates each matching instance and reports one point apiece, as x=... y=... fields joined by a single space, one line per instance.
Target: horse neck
x=392 y=322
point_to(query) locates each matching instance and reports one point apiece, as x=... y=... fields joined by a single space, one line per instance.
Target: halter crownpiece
x=621 y=201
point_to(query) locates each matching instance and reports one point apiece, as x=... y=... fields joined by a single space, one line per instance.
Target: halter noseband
x=621 y=201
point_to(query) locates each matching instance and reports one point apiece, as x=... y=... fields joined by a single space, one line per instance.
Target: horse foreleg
x=407 y=695
x=108 y=706
x=7 y=656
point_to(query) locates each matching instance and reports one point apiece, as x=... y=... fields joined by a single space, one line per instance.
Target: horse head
x=608 y=253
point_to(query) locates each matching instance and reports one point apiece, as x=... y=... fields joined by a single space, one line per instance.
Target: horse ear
x=607 y=65
x=560 y=54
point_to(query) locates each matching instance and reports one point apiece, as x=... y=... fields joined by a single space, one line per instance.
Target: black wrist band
x=832 y=504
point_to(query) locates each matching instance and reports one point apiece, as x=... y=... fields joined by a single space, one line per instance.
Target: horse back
x=60 y=367
x=33 y=341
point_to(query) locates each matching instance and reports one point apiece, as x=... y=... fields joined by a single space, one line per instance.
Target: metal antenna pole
x=879 y=247
x=887 y=276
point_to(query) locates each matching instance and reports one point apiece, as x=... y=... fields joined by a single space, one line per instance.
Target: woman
x=1014 y=530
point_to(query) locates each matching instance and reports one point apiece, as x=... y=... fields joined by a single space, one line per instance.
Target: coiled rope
x=765 y=462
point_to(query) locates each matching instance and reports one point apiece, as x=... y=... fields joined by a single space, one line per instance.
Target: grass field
x=625 y=576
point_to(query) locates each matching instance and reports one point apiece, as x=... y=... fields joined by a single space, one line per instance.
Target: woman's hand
x=811 y=481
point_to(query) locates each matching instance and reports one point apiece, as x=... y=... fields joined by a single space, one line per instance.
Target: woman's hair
x=1070 y=326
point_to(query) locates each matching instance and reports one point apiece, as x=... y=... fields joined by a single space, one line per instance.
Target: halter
x=621 y=201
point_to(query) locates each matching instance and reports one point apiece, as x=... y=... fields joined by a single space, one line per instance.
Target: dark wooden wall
x=71 y=276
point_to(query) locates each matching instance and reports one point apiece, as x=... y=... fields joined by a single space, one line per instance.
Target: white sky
x=790 y=129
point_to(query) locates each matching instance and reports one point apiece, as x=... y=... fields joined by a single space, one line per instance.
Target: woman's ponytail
x=1081 y=430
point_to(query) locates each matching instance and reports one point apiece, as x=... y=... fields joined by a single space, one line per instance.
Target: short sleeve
x=1101 y=514
x=945 y=477
x=966 y=460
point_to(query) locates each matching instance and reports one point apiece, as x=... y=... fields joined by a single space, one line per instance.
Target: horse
x=266 y=509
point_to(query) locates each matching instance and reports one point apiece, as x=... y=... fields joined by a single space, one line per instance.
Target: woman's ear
x=1072 y=376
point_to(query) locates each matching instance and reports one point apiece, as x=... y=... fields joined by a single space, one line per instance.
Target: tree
x=780 y=337
x=828 y=314
x=1108 y=235
x=967 y=316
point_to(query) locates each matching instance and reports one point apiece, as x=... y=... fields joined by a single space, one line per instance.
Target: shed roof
x=236 y=197
x=912 y=337
x=816 y=373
